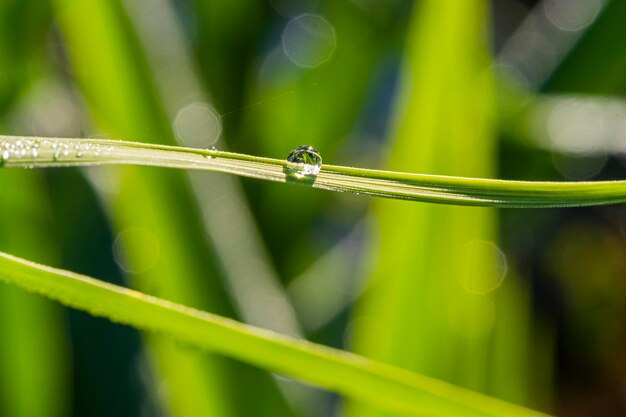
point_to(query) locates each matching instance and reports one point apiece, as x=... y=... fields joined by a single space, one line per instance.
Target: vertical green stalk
x=154 y=211
x=512 y=372
x=34 y=360
x=431 y=303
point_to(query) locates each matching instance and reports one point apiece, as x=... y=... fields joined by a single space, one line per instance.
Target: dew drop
x=211 y=149
x=304 y=161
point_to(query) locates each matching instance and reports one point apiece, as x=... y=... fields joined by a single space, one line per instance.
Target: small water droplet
x=304 y=161
x=212 y=149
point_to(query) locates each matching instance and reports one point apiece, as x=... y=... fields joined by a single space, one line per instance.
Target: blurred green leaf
x=430 y=305
x=118 y=85
x=23 y=26
x=28 y=322
x=595 y=65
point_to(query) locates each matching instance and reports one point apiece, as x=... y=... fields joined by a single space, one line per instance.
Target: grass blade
x=396 y=185
x=425 y=255
x=226 y=216
x=380 y=385
x=28 y=321
x=116 y=84
x=119 y=86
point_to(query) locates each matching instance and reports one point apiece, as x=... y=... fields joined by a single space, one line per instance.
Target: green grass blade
x=227 y=218
x=118 y=84
x=109 y=66
x=382 y=386
x=593 y=66
x=430 y=302
x=512 y=376
x=28 y=321
x=396 y=185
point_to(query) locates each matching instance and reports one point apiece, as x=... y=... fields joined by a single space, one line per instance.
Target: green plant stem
x=396 y=185
x=381 y=385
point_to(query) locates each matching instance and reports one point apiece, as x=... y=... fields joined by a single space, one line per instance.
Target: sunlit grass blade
x=511 y=375
x=429 y=306
x=331 y=285
x=227 y=218
x=380 y=385
x=396 y=185
x=156 y=208
x=28 y=321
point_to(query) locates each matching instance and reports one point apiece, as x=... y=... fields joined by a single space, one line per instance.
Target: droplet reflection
x=304 y=161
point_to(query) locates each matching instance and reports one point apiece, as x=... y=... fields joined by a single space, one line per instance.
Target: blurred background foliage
x=527 y=306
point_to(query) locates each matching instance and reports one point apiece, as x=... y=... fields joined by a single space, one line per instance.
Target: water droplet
x=304 y=161
x=211 y=149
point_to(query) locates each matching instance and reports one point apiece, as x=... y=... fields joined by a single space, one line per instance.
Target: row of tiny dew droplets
x=32 y=148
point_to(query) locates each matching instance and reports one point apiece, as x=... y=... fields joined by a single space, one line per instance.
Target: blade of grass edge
x=381 y=385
